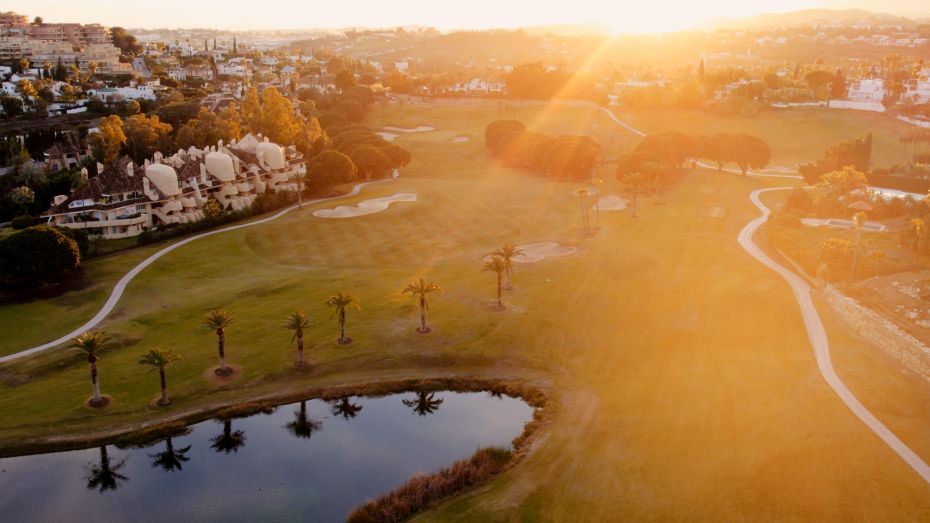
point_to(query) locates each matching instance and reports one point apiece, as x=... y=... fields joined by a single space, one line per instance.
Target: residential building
x=125 y=199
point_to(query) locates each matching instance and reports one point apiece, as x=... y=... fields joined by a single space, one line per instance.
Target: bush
x=22 y=221
x=79 y=237
x=423 y=489
x=37 y=255
x=799 y=200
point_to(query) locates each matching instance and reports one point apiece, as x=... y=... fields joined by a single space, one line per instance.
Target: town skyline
x=659 y=17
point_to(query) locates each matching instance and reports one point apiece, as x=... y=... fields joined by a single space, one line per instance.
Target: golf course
x=680 y=377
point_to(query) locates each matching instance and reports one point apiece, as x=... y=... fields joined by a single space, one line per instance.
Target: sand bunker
x=460 y=139
x=541 y=250
x=366 y=207
x=388 y=137
x=420 y=129
x=611 y=203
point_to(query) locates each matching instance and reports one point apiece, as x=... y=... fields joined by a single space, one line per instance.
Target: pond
x=314 y=460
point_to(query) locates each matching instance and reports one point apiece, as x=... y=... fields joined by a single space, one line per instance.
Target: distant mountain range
x=806 y=17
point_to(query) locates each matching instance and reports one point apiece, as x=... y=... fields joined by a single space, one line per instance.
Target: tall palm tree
x=105 y=476
x=157 y=359
x=636 y=183
x=917 y=229
x=425 y=403
x=340 y=302
x=420 y=290
x=303 y=426
x=583 y=199
x=597 y=183
x=297 y=322
x=228 y=440
x=170 y=459
x=498 y=265
x=218 y=320
x=301 y=178
x=858 y=222
x=345 y=408
x=91 y=343
x=508 y=252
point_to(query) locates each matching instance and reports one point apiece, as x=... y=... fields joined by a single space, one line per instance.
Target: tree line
x=673 y=149
x=572 y=157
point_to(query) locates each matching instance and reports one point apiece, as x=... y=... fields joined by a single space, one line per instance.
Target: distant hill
x=806 y=17
x=568 y=30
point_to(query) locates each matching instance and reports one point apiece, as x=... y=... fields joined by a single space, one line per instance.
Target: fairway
x=682 y=379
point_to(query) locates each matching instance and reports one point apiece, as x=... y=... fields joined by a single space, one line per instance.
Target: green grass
x=680 y=374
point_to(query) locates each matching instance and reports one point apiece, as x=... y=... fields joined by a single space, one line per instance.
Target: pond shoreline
x=153 y=431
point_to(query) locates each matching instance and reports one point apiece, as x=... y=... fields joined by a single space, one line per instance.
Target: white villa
x=126 y=199
x=868 y=90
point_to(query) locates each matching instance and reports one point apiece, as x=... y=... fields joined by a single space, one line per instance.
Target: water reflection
x=170 y=459
x=228 y=441
x=425 y=403
x=208 y=475
x=105 y=476
x=303 y=426
x=343 y=407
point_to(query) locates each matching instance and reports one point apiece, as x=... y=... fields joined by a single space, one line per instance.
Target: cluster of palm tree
x=500 y=262
x=93 y=342
x=917 y=137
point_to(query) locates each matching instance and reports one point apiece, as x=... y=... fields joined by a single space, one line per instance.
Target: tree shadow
x=303 y=426
x=425 y=403
x=170 y=459
x=228 y=440
x=343 y=407
x=105 y=476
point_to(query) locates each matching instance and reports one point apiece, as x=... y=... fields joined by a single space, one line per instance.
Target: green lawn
x=681 y=377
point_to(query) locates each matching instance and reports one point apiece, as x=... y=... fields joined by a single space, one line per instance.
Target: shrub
x=799 y=200
x=22 y=221
x=423 y=489
x=36 y=255
x=79 y=237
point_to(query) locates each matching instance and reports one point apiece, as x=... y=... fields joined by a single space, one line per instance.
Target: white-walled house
x=868 y=90
x=125 y=199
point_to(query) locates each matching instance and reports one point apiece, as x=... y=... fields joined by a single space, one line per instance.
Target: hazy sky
x=621 y=16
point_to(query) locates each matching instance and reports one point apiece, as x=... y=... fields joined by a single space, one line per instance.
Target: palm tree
x=597 y=183
x=297 y=322
x=218 y=320
x=636 y=183
x=425 y=403
x=420 y=290
x=301 y=178
x=343 y=407
x=303 y=426
x=170 y=459
x=583 y=199
x=157 y=359
x=91 y=343
x=105 y=476
x=498 y=265
x=858 y=222
x=228 y=440
x=508 y=252
x=340 y=302
x=917 y=229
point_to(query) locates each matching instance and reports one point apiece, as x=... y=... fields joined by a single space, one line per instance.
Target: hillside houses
x=125 y=199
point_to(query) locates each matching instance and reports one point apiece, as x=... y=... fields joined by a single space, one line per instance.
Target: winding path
x=121 y=285
x=812 y=322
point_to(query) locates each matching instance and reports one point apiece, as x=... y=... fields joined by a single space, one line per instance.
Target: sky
x=620 y=16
